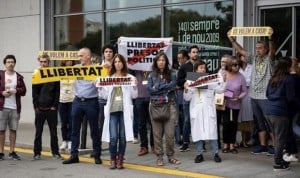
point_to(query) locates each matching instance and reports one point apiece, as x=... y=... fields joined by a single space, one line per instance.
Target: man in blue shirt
x=85 y=104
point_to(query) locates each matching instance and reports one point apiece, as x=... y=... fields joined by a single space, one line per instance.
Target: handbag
x=220 y=101
x=160 y=112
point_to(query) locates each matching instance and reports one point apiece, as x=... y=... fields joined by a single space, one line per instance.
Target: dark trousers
x=101 y=118
x=279 y=127
x=89 y=109
x=40 y=118
x=141 y=113
x=64 y=110
x=230 y=118
x=291 y=144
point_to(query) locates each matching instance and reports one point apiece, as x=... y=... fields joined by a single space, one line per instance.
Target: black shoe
x=217 y=158
x=199 y=159
x=13 y=155
x=71 y=160
x=98 y=160
x=2 y=156
x=184 y=148
x=37 y=156
x=281 y=167
x=56 y=156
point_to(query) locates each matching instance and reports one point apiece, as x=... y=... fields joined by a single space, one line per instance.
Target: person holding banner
x=118 y=111
x=203 y=113
x=45 y=97
x=85 y=104
x=161 y=87
x=66 y=97
x=263 y=63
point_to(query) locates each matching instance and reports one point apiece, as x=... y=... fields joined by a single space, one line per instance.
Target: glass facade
x=278 y=18
x=93 y=23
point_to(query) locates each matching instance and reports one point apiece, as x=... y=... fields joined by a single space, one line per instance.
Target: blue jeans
x=187 y=123
x=64 y=110
x=89 y=109
x=213 y=147
x=142 y=114
x=117 y=133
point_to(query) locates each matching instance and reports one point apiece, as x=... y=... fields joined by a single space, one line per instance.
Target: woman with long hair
x=281 y=96
x=118 y=111
x=161 y=87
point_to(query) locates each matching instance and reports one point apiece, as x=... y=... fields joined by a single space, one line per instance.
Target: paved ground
x=238 y=165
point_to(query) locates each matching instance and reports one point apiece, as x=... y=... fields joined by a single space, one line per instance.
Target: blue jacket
x=281 y=98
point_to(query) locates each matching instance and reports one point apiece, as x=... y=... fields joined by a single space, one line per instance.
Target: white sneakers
x=65 y=145
x=290 y=158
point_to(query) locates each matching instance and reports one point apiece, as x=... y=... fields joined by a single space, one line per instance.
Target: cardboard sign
x=60 y=55
x=250 y=31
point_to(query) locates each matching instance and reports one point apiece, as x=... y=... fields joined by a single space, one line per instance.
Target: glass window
x=278 y=18
x=298 y=32
x=72 y=6
x=134 y=23
x=205 y=25
x=74 y=32
x=112 y=4
x=177 y=1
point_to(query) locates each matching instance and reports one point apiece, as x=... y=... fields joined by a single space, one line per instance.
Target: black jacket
x=45 y=95
x=181 y=75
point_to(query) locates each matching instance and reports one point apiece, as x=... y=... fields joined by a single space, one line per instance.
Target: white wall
x=20 y=35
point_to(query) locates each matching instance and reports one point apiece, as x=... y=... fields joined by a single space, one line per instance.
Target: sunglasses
x=235 y=65
x=43 y=61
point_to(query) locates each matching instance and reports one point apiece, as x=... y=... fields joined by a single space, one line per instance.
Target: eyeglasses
x=43 y=61
x=234 y=65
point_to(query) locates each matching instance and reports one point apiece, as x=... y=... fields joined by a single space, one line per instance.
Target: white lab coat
x=203 y=114
x=128 y=94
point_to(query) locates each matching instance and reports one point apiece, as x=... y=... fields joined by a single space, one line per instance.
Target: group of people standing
x=255 y=87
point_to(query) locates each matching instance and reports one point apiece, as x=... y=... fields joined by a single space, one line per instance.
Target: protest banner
x=250 y=31
x=115 y=81
x=60 y=55
x=52 y=74
x=205 y=80
x=140 y=52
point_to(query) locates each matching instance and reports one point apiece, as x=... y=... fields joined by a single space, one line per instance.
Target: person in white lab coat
x=118 y=112
x=203 y=114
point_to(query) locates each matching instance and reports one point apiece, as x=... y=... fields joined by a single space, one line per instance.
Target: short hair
x=46 y=56
x=229 y=63
x=184 y=53
x=263 y=43
x=9 y=56
x=192 y=47
x=199 y=63
x=109 y=46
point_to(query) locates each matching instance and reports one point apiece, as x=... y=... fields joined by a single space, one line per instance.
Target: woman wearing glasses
x=235 y=90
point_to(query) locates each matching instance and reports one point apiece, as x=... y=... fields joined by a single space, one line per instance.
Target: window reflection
x=136 y=23
x=278 y=18
x=110 y=4
x=205 y=25
x=74 y=32
x=71 y=6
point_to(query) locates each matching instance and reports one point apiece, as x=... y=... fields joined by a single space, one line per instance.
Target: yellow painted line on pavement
x=127 y=165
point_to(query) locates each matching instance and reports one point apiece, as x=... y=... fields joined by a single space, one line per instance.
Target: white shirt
x=10 y=82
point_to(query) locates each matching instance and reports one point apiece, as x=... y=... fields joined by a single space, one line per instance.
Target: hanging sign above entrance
x=251 y=31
